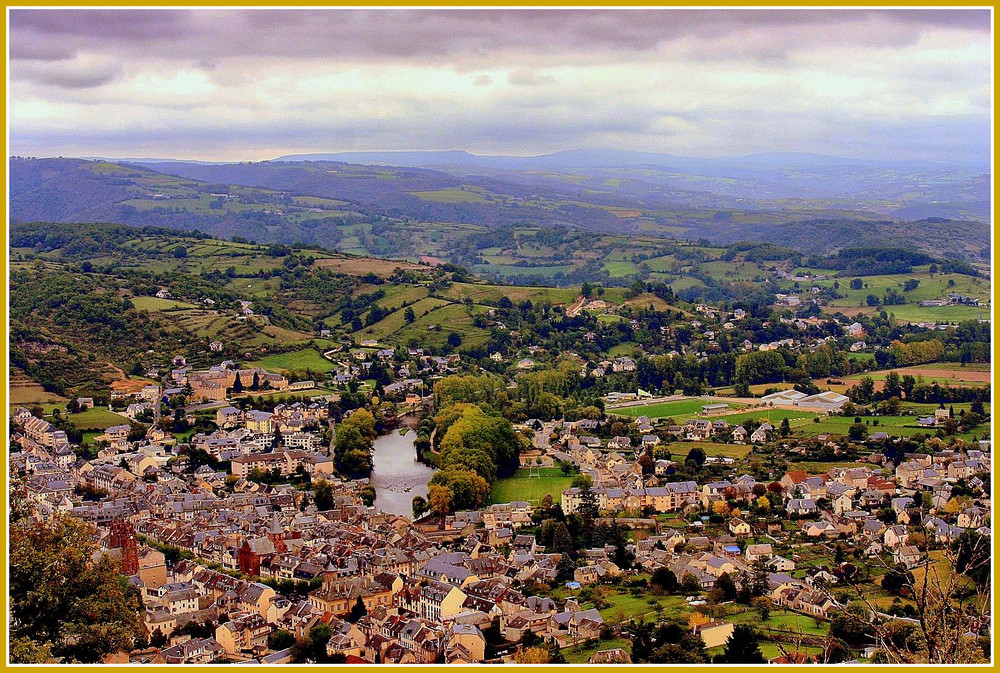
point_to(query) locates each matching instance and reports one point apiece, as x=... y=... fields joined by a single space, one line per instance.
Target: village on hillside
x=242 y=506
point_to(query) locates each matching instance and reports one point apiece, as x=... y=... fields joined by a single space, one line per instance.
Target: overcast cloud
x=255 y=84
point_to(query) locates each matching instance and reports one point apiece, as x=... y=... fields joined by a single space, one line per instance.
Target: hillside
x=585 y=219
x=90 y=302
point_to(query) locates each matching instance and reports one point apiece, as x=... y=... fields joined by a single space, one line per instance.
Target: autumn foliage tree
x=62 y=602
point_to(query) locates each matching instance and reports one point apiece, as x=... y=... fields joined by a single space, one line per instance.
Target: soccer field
x=530 y=489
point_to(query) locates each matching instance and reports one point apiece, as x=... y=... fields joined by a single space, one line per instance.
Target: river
x=397 y=476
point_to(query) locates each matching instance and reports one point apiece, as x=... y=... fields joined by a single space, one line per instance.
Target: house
x=817 y=528
x=907 y=555
x=779 y=564
x=242 y=633
x=698 y=429
x=739 y=434
x=895 y=536
x=758 y=552
x=619 y=443
x=740 y=528
x=760 y=434
x=714 y=634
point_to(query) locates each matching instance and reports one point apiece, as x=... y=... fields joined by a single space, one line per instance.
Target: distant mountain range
x=368 y=202
x=603 y=158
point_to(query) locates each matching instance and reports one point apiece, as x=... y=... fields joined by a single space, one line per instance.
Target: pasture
x=300 y=360
x=97 y=418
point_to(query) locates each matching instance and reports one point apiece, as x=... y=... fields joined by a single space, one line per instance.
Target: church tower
x=123 y=537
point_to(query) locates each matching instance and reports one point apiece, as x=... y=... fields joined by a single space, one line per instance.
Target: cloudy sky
x=256 y=84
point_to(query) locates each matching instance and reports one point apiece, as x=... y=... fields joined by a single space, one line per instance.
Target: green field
x=738 y=451
x=396 y=320
x=453 y=195
x=930 y=287
x=530 y=489
x=98 y=418
x=157 y=304
x=433 y=329
x=619 y=269
x=773 y=416
x=579 y=654
x=905 y=426
x=295 y=361
x=676 y=409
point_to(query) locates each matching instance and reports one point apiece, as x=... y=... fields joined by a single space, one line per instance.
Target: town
x=740 y=488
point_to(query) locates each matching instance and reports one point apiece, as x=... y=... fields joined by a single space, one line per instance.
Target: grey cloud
x=68 y=74
x=482 y=80
x=394 y=34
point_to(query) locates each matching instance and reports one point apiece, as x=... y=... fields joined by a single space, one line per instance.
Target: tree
x=94 y=613
x=358 y=610
x=158 y=638
x=256 y=382
x=690 y=584
x=724 y=589
x=408 y=315
x=420 y=506
x=857 y=284
x=237 y=384
x=742 y=647
x=323 y=495
x=440 y=499
x=278 y=640
x=786 y=428
x=454 y=340
x=565 y=568
x=562 y=541
x=532 y=655
x=313 y=648
x=665 y=579
x=696 y=457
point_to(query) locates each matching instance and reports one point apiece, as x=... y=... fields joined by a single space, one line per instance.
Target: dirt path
x=573 y=309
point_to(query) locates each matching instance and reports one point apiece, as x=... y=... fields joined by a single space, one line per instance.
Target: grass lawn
x=636 y=607
x=307 y=358
x=771 y=651
x=530 y=489
x=98 y=417
x=819 y=467
x=396 y=320
x=738 y=451
x=579 y=654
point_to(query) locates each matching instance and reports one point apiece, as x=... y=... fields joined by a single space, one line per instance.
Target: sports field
x=530 y=489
